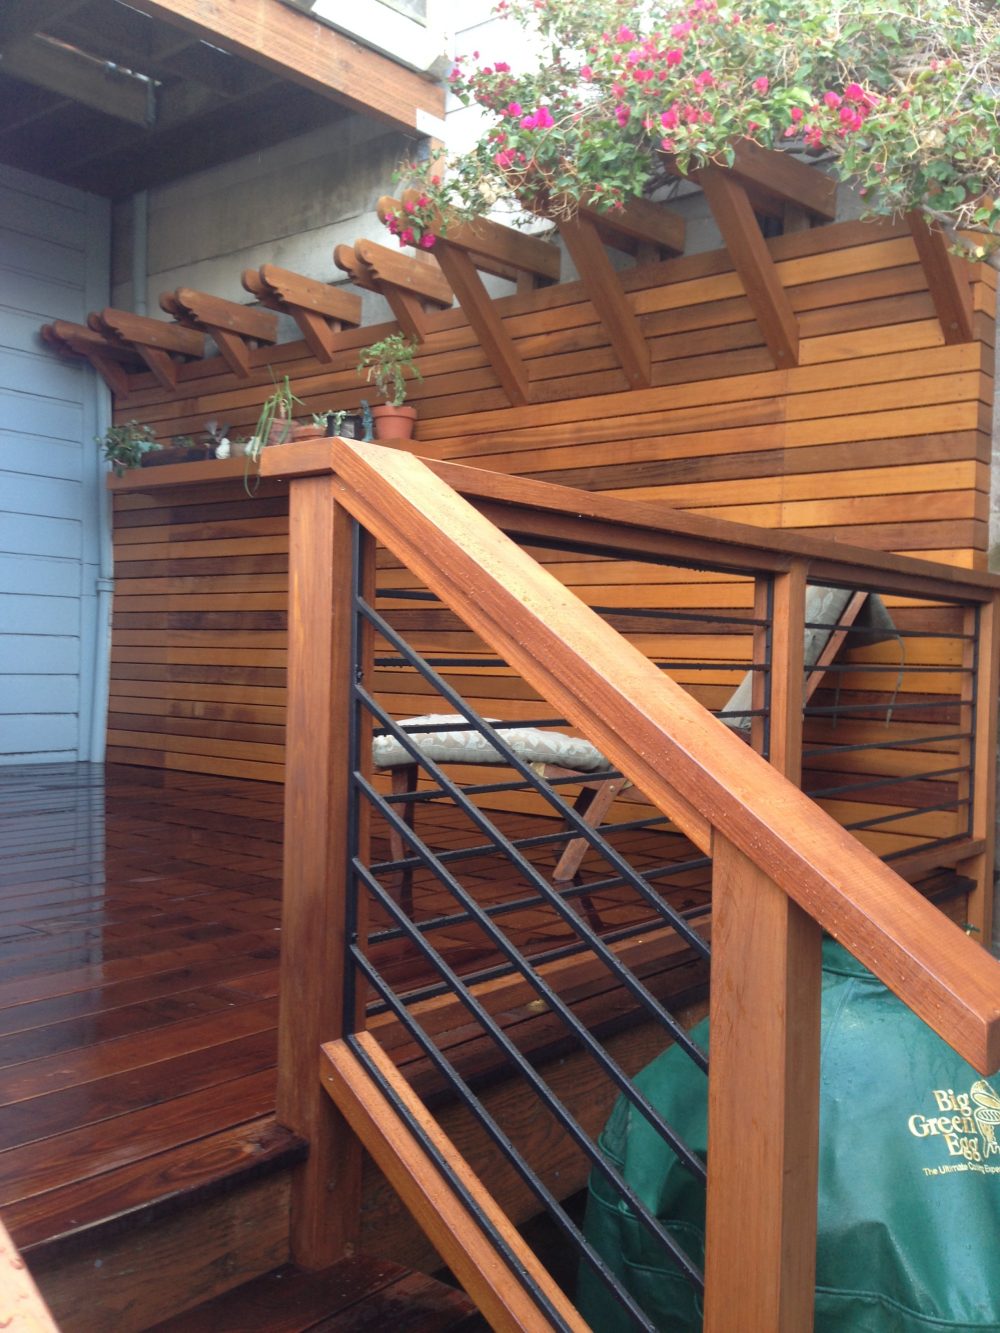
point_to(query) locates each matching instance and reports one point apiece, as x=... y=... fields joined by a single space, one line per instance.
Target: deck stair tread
x=103 y=1206
x=358 y=1294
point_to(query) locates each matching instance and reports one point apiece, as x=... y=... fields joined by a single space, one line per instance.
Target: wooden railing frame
x=782 y=867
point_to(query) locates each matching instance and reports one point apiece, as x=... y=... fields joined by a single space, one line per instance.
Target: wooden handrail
x=685 y=760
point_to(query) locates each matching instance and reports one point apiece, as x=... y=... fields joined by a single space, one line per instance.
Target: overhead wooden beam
x=493 y=248
x=307 y=52
x=602 y=285
x=153 y=339
x=320 y=311
x=106 y=357
x=405 y=283
x=785 y=177
x=638 y=223
x=73 y=74
x=947 y=280
x=21 y=18
x=752 y=260
x=231 y=325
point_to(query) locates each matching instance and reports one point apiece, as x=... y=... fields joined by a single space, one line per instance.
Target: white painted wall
x=53 y=642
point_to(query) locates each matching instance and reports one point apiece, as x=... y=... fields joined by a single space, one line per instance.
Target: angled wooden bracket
x=607 y=295
x=108 y=358
x=784 y=178
x=320 y=311
x=947 y=279
x=743 y=238
x=409 y=285
x=640 y=227
x=153 y=339
x=232 y=326
x=460 y=270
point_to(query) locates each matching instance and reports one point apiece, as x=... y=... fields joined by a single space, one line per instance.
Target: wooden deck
x=139 y=935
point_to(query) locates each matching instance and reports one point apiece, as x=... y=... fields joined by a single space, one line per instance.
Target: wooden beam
x=73 y=74
x=303 y=51
x=786 y=178
x=387 y=267
x=639 y=222
x=105 y=357
x=482 y=315
x=453 y=1227
x=21 y=18
x=947 y=279
x=215 y=313
x=346 y=259
x=143 y=331
x=753 y=262
x=494 y=248
x=602 y=285
x=310 y=294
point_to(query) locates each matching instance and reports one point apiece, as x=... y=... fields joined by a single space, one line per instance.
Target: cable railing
x=434 y=949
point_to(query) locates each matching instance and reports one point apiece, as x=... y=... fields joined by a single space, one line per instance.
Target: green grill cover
x=909 y=1178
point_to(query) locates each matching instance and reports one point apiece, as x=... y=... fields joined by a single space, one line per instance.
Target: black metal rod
x=502 y=1141
x=458 y=1185
x=552 y=1103
x=905 y=814
x=889 y=782
x=906 y=743
x=614 y=965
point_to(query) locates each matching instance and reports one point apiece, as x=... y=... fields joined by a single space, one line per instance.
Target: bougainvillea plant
x=623 y=97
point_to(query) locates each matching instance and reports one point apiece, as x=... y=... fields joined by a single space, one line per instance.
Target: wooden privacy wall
x=881 y=437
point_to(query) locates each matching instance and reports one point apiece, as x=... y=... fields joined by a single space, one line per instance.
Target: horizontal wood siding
x=879 y=437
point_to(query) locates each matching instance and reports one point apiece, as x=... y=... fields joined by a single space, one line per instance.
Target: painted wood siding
x=53 y=263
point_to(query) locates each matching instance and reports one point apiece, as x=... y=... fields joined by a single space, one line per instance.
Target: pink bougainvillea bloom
x=544 y=117
x=435 y=180
x=831 y=99
x=854 y=92
x=622 y=114
x=670 y=119
x=423 y=201
x=502 y=67
x=586 y=73
x=706 y=79
x=796 y=114
x=762 y=84
x=409 y=207
x=752 y=126
x=406 y=236
x=426 y=242
x=681 y=30
x=905 y=104
x=514 y=109
x=675 y=56
x=668 y=145
x=528 y=122
x=624 y=34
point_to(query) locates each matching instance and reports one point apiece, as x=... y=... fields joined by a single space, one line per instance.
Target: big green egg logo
x=966 y=1124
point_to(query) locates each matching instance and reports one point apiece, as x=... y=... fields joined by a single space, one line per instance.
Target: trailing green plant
x=621 y=97
x=124 y=446
x=387 y=363
x=276 y=410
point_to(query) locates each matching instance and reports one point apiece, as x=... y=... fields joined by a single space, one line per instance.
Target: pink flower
x=832 y=100
x=502 y=67
x=409 y=207
x=624 y=34
x=681 y=30
x=586 y=73
x=514 y=109
x=796 y=114
x=622 y=113
x=670 y=119
x=406 y=236
x=675 y=56
x=668 y=145
x=762 y=84
x=423 y=202
x=427 y=242
x=706 y=79
x=544 y=118
x=854 y=92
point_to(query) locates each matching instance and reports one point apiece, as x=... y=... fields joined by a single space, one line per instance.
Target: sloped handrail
x=665 y=742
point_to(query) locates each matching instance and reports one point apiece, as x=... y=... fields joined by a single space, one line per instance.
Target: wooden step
x=358 y=1294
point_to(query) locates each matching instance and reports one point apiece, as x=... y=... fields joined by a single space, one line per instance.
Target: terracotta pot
x=394 y=423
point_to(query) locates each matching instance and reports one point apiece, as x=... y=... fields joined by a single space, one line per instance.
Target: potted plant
x=125 y=446
x=386 y=364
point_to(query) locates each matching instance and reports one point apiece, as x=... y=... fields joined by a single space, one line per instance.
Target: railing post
x=763 y=1117
x=979 y=713
x=326 y=1192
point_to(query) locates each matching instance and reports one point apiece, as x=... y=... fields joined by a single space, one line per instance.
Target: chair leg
x=403 y=780
x=592 y=805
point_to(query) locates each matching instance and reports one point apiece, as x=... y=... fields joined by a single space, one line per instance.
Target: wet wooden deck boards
x=139 y=937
